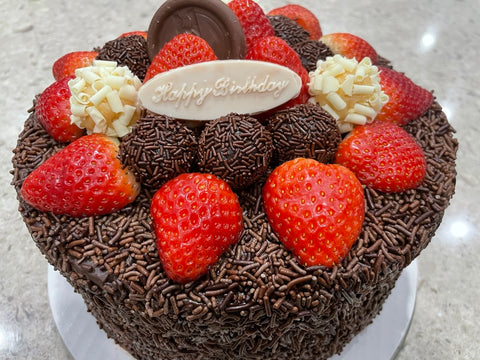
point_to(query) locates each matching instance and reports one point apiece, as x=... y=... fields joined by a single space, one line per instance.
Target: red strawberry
x=407 y=101
x=196 y=218
x=68 y=63
x=182 y=50
x=350 y=46
x=316 y=210
x=275 y=50
x=254 y=22
x=138 y=32
x=53 y=112
x=83 y=179
x=383 y=156
x=304 y=17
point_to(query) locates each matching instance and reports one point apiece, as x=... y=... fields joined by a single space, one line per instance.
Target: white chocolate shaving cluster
x=350 y=91
x=104 y=98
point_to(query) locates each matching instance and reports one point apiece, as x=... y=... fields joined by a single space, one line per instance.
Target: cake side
x=113 y=262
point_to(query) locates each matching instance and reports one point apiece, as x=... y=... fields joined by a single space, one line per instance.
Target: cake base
x=85 y=340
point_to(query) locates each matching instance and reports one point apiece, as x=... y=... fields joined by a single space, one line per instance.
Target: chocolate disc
x=211 y=20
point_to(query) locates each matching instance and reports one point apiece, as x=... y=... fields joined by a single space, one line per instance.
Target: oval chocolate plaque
x=208 y=90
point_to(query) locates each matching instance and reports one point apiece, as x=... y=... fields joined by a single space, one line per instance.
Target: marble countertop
x=436 y=46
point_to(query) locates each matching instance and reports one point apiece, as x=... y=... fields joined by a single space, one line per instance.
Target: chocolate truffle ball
x=304 y=130
x=310 y=52
x=130 y=51
x=288 y=30
x=158 y=149
x=236 y=148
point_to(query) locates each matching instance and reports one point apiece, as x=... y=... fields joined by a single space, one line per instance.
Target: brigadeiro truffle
x=310 y=52
x=236 y=148
x=288 y=29
x=130 y=51
x=304 y=130
x=158 y=149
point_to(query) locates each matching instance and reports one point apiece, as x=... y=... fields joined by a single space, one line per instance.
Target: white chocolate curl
x=104 y=98
x=350 y=91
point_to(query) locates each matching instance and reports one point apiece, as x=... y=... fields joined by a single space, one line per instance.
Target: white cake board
x=380 y=340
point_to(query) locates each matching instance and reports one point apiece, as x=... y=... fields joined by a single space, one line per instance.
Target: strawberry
x=196 y=218
x=138 y=32
x=68 y=63
x=83 y=179
x=253 y=20
x=182 y=50
x=350 y=46
x=53 y=112
x=275 y=50
x=407 y=101
x=383 y=156
x=316 y=210
x=303 y=17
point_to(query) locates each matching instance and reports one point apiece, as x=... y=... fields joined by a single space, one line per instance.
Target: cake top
x=200 y=114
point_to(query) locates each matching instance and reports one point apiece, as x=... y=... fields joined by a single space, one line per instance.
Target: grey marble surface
x=437 y=46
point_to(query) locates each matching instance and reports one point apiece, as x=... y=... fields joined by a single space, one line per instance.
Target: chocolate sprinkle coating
x=158 y=149
x=310 y=52
x=236 y=148
x=130 y=51
x=288 y=30
x=257 y=302
x=304 y=130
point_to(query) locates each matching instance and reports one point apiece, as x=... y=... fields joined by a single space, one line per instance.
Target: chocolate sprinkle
x=310 y=52
x=304 y=130
x=158 y=149
x=381 y=61
x=288 y=29
x=236 y=148
x=130 y=51
x=257 y=302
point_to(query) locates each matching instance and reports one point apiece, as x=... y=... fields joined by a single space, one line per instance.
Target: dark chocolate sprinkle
x=158 y=149
x=288 y=29
x=130 y=51
x=304 y=131
x=310 y=52
x=236 y=148
x=381 y=61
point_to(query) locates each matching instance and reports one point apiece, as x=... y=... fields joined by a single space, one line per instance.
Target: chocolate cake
x=258 y=301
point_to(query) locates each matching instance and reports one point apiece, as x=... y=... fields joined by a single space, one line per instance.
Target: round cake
x=104 y=225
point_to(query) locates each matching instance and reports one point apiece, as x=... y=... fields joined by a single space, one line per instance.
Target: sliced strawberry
x=383 y=156
x=53 y=112
x=138 y=32
x=182 y=50
x=275 y=50
x=254 y=22
x=196 y=218
x=316 y=210
x=350 y=46
x=407 y=101
x=304 y=17
x=68 y=63
x=84 y=179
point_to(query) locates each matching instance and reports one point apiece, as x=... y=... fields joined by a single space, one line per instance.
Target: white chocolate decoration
x=104 y=98
x=208 y=90
x=350 y=91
